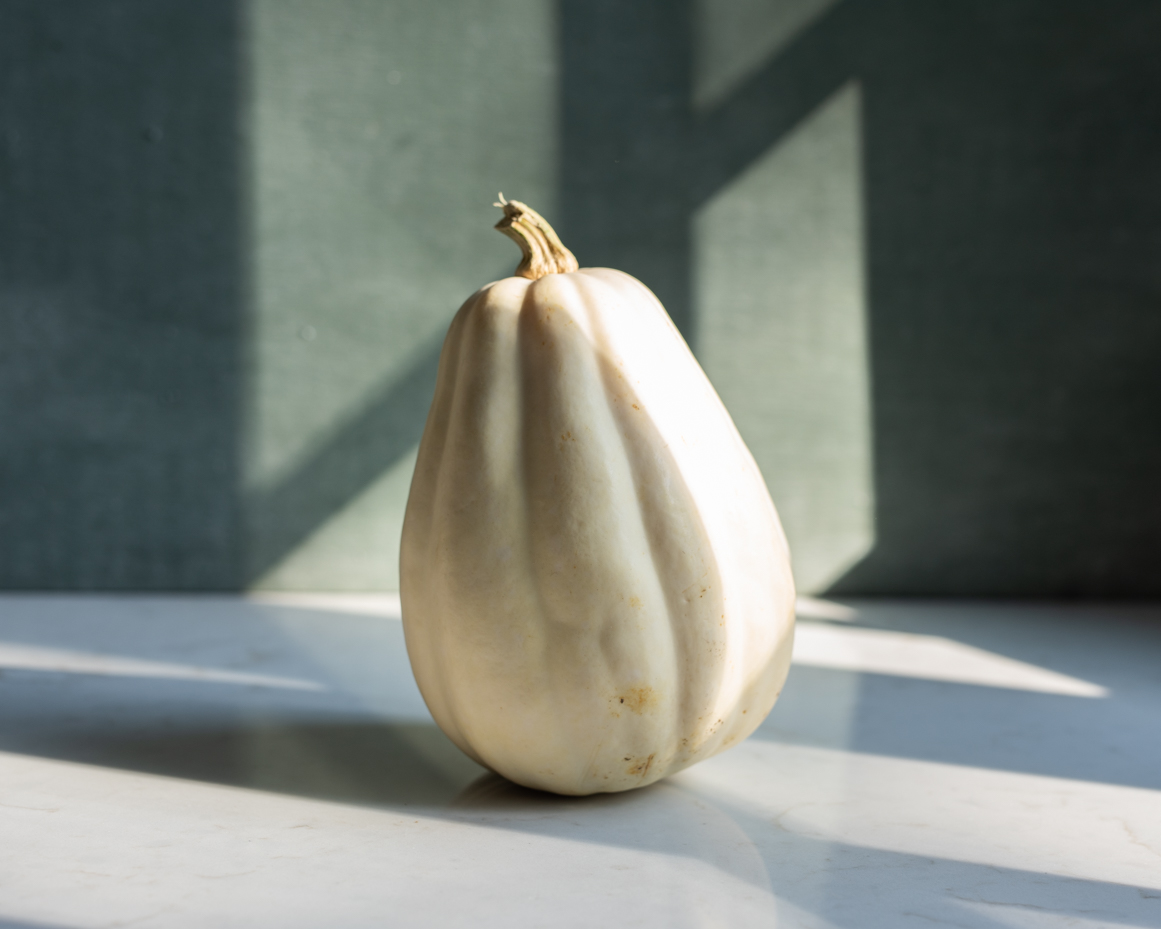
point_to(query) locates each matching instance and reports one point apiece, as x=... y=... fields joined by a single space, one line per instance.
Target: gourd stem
x=542 y=249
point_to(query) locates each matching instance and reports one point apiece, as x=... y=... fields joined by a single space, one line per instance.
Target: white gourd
x=596 y=588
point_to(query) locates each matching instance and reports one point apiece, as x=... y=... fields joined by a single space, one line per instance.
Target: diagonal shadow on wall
x=387 y=428
x=635 y=166
x=1011 y=207
x=1011 y=227
x=637 y=161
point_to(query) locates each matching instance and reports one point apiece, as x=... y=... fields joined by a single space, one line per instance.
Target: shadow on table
x=24 y=924
x=379 y=764
x=337 y=744
x=310 y=702
x=1105 y=740
x=1101 y=740
x=348 y=741
x=847 y=885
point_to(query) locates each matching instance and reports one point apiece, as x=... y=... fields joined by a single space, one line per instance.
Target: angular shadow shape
x=317 y=746
x=388 y=427
x=363 y=736
x=873 y=888
x=778 y=97
x=361 y=762
x=1105 y=741
x=637 y=163
x=1011 y=209
x=848 y=885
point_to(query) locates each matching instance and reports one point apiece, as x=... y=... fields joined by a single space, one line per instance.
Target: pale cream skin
x=596 y=588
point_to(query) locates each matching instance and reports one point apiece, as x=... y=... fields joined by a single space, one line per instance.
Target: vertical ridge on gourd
x=596 y=589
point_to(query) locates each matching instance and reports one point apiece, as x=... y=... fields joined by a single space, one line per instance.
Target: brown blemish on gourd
x=635 y=602
x=637 y=699
x=696 y=591
x=641 y=767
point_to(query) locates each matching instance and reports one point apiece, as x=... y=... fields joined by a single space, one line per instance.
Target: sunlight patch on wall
x=734 y=38
x=356 y=549
x=780 y=296
x=378 y=136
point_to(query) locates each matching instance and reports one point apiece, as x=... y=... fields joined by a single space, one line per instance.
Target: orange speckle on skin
x=638 y=699
x=695 y=591
x=641 y=767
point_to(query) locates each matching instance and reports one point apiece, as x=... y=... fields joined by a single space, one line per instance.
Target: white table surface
x=220 y=761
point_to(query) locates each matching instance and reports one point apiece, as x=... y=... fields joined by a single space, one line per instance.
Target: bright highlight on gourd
x=596 y=588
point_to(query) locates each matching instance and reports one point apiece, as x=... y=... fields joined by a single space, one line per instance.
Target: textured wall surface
x=122 y=294
x=915 y=246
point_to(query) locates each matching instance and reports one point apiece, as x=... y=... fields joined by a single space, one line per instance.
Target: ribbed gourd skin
x=596 y=588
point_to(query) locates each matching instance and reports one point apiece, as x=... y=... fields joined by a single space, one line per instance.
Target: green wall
x=380 y=136
x=123 y=294
x=913 y=244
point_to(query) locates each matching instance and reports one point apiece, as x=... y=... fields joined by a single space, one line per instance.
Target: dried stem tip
x=543 y=252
